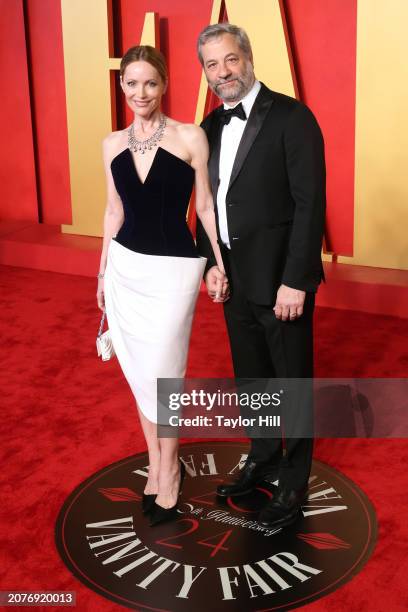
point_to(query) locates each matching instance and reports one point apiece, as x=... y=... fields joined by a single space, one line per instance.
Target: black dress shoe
x=251 y=474
x=159 y=514
x=283 y=509
x=148 y=500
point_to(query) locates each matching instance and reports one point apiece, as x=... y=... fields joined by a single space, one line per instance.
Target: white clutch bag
x=104 y=344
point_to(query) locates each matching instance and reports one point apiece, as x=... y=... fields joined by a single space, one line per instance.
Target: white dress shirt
x=230 y=139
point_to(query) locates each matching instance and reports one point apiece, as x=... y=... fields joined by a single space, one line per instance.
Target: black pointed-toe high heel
x=158 y=513
x=148 y=500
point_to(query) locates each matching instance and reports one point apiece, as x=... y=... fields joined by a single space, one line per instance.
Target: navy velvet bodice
x=155 y=211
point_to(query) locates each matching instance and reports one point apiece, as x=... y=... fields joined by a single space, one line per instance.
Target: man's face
x=230 y=74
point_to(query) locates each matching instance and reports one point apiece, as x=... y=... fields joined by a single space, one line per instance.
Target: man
x=267 y=174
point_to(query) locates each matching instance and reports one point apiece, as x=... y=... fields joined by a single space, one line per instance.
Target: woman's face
x=143 y=88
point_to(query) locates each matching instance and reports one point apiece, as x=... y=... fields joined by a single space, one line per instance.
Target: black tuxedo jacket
x=275 y=200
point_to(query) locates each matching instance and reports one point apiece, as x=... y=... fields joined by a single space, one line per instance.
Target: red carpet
x=66 y=415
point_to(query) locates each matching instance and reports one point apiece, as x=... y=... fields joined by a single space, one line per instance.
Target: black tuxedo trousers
x=263 y=346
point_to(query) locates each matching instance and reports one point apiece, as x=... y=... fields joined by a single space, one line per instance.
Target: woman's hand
x=222 y=292
x=217 y=284
x=100 y=294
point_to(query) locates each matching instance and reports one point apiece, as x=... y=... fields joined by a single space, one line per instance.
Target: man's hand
x=217 y=284
x=289 y=303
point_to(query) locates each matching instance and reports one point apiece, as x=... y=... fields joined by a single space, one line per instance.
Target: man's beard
x=236 y=92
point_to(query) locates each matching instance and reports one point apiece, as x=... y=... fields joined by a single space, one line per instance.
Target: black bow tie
x=237 y=111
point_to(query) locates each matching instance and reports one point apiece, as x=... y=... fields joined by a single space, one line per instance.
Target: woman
x=153 y=271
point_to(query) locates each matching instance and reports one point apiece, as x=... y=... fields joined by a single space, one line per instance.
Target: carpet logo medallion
x=215 y=556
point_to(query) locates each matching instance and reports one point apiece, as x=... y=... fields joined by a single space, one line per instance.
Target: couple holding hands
x=257 y=166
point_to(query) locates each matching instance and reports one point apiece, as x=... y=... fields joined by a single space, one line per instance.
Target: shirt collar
x=249 y=99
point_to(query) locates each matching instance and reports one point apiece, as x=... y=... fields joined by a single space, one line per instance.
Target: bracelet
x=100 y=276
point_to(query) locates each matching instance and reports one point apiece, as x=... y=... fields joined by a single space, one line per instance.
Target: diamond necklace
x=136 y=145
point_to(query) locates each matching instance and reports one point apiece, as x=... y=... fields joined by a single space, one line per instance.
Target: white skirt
x=150 y=301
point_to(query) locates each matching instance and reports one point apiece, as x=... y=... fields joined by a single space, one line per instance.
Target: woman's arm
x=198 y=147
x=113 y=217
x=203 y=196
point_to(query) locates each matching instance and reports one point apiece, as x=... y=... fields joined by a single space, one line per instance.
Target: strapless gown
x=153 y=274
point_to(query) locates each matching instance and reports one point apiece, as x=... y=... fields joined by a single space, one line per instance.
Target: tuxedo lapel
x=214 y=138
x=255 y=120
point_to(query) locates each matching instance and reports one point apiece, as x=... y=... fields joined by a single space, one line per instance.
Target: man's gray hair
x=217 y=30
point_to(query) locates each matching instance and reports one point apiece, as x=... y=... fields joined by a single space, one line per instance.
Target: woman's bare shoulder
x=113 y=144
x=193 y=135
x=184 y=129
x=113 y=139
